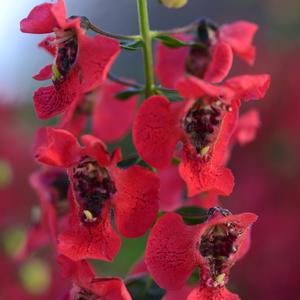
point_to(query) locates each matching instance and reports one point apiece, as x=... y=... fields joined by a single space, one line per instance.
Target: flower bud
x=173 y=3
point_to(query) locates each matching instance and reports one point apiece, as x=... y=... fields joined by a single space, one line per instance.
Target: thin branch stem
x=123 y=81
x=187 y=28
x=113 y=35
x=147 y=46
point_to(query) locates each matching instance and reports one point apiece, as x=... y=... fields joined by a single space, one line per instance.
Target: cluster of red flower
x=85 y=191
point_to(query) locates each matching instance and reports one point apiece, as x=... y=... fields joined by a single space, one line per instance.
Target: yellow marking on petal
x=56 y=74
x=220 y=279
x=204 y=150
x=88 y=215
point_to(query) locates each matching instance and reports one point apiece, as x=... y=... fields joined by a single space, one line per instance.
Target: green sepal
x=192 y=215
x=131 y=45
x=125 y=95
x=172 y=95
x=129 y=161
x=171 y=42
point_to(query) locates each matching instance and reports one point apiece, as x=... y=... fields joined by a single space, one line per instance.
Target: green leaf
x=129 y=161
x=176 y=161
x=142 y=163
x=172 y=95
x=171 y=42
x=144 y=288
x=125 y=95
x=193 y=214
x=195 y=277
x=131 y=45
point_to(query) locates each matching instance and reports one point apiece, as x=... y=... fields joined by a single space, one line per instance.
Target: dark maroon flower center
x=67 y=49
x=199 y=56
x=94 y=187
x=56 y=184
x=216 y=246
x=197 y=61
x=202 y=123
x=60 y=185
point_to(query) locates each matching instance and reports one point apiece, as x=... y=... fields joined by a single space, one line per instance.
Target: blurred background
x=267 y=171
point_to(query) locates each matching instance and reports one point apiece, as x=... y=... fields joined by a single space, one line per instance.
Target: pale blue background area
x=20 y=58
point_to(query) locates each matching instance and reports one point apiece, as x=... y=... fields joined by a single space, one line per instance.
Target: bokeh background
x=267 y=171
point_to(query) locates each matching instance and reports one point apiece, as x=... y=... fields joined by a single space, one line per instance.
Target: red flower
x=81 y=62
x=206 y=293
x=174 y=250
x=51 y=185
x=171 y=189
x=211 y=62
x=99 y=185
x=172 y=192
x=247 y=127
x=140 y=269
x=204 y=123
x=113 y=118
x=87 y=286
x=75 y=119
x=36 y=237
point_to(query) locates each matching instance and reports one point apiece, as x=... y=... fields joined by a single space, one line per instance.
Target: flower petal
x=80 y=272
x=110 y=289
x=74 y=119
x=45 y=182
x=205 y=177
x=239 y=35
x=210 y=293
x=178 y=294
x=40 y=20
x=96 y=55
x=113 y=118
x=220 y=64
x=52 y=100
x=59 y=11
x=228 y=126
x=156 y=131
x=36 y=238
x=171 y=189
x=171 y=251
x=136 y=201
x=96 y=149
x=44 y=74
x=56 y=147
x=194 y=88
x=204 y=200
x=48 y=45
x=247 y=127
x=167 y=71
x=250 y=87
x=97 y=241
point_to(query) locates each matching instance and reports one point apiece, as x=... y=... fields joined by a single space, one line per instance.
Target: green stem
x=147 y=46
